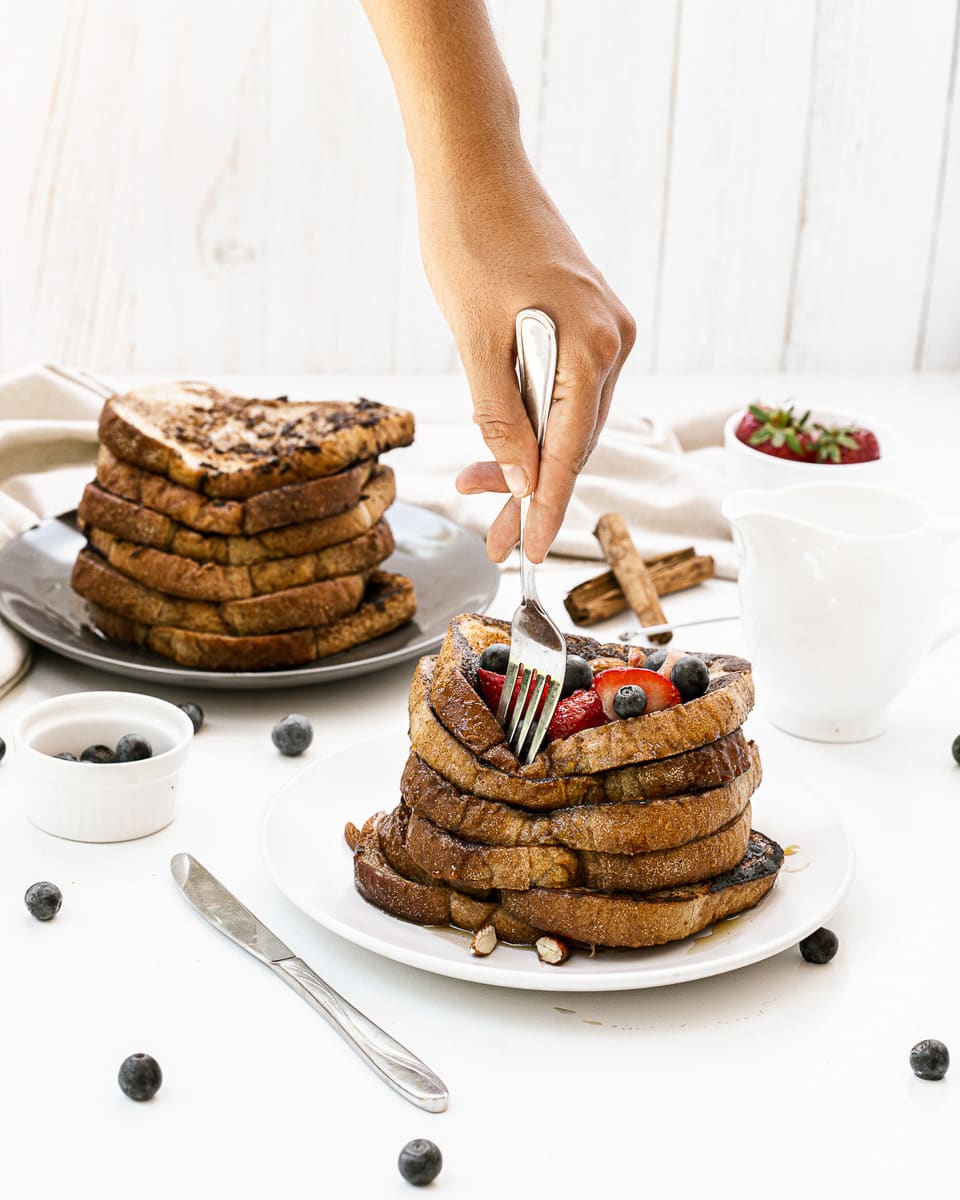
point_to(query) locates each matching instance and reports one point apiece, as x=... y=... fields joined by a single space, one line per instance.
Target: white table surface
x=783 y=1077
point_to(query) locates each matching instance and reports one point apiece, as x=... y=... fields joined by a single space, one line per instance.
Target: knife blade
x=394 y=1063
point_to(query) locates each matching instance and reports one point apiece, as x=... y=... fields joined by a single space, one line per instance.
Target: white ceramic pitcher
x=840 y=594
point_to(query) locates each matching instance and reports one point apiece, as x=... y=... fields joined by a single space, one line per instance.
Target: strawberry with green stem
x=778 y=432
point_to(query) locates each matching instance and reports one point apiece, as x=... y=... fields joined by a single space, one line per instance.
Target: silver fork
x=538 y=651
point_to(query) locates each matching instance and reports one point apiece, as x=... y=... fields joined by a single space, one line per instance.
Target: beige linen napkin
x=666 y=479
x=48 y=445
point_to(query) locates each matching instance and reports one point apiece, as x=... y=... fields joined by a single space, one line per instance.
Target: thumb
x=503 y=421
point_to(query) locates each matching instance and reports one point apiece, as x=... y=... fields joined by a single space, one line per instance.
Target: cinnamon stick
x=601 y=597
x=631 y=573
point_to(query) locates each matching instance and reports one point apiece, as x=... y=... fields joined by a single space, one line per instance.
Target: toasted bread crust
x=634 y=827
x=471 y=864
x=388 y=603
x=192 y=580
x=135 y=523
x=463 y=711
x=288 y=505
x=233 y=447
x=709 y=766
x=650 y=919
x=294 y=608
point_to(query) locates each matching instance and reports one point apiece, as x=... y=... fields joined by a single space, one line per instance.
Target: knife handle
x=394 y=1063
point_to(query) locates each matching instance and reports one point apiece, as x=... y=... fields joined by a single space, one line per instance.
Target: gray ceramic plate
x=447 y=563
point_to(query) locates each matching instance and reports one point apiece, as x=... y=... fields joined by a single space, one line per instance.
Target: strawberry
x=776 y=431
x=660 y=691
x=850 y=445
x=580 y=710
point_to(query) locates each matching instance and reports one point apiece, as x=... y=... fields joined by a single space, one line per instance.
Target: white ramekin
x=100 y=802
x=750 y=468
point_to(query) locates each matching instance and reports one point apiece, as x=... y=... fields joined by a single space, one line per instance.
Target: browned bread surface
x=294 y=608
x=472 y=864
x=387 y=604
x=179 y=576
x=461 y=708
x=634 y=827
x=233 y=447
x=136 y=523
x=707 y=766
x=287 y=505
x=650 y=919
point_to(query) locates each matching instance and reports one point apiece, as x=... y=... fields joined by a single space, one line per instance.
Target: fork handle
x=537 y=369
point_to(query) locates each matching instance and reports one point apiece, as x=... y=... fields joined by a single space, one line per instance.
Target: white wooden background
x=224 y=184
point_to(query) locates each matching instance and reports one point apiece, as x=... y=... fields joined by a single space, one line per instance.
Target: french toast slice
x=232 y=447
x=618 y=920
x=178 y=576
x=133 y=522
x=461 y=708
x=709 y=766
x=631 y=827
x=476 y=865
x=388 y=602
x=287 y=505
x=293 y=608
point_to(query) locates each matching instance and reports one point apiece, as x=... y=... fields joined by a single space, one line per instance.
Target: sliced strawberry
x=491 y=687
x=580 y=710
x=660 y=691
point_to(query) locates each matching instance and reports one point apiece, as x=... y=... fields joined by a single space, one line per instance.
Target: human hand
x=491 y=249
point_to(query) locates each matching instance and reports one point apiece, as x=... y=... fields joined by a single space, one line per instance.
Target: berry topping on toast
x=660 y=692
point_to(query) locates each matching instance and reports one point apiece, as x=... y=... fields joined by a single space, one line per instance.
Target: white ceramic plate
x=303 y=846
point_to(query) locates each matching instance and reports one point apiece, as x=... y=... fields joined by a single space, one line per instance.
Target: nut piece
x=553 y=950
x=484 y=940
x=352 y=835
x=605 y=664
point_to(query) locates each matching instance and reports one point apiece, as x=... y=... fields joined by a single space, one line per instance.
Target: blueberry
x=690 y=676
x=133 y=747
x=820 y=946
x=654 y=660
x=930 y=1059
x=495 y=658
x=292 y=734
x=578 y=675
x=140 y=1077
x=43 y=900
x=98 y=754
x=420 y=1162
x=956 y=749
x=67 y=756
x=195 y=713
x=630 y=701
x=3 y=749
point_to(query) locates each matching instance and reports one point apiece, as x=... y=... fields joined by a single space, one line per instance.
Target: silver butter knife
x=392 y=1062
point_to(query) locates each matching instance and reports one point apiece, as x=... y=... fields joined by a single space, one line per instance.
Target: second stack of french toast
x=235 y=534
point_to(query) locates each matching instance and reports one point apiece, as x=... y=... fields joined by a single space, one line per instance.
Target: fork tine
x=533 y=701
x=546 y=716
x=526 y=680
x=509 y=683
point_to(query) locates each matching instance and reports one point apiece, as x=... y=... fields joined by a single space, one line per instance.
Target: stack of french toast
x=630 y=828
x=235 y=534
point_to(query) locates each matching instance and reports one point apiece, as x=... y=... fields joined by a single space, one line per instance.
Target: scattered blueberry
x=820 y=946
x=3 y=749
x=195 y=713
x=690 y=676
x=630 y=701
x=420 y=1162
x=654 y=660
x=495 y=658
x=956 y=749
x=98 y=754
x=930 y=1059
x=133 y=747
x=292 y=734
x=43 y=900
x=67 y=757
x=578 y=675
x=140 y=1077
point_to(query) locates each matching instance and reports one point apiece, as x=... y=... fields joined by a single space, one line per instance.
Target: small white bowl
x=748 y=467
x=94 y=802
